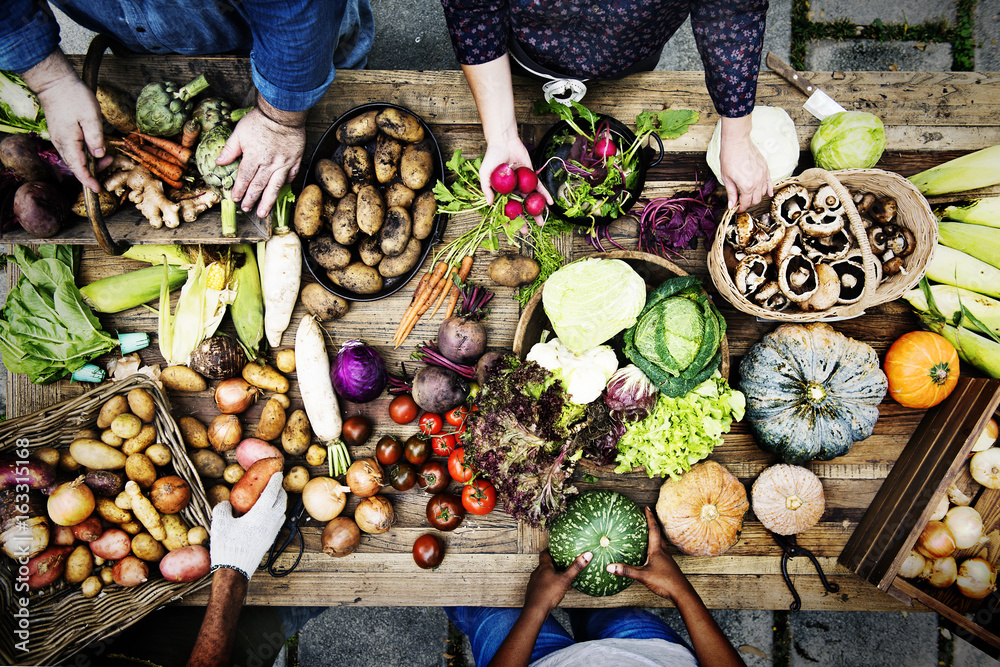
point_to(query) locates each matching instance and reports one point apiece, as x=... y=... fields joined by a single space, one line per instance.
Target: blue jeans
x=487 y=627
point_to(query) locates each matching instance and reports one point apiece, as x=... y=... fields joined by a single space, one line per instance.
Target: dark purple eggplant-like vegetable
x=461 y=339
x=40 y=208
x=219 y=357
x=358 y=372
x=438 y=389
x=36 y=474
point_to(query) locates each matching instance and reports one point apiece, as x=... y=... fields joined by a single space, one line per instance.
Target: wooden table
x=929 y=117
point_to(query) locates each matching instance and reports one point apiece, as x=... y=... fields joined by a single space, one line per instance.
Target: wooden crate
x=935 y=457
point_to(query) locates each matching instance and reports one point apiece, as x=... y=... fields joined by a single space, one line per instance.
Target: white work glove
x=241 y=543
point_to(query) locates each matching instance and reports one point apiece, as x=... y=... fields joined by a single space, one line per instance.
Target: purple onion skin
x=358 y=372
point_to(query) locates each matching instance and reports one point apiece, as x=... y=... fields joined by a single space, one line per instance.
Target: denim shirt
x=295 y=46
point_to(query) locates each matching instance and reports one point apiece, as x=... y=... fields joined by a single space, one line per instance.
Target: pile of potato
x=374 y=205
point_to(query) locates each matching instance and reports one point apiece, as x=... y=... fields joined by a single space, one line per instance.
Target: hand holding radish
x=507 y=169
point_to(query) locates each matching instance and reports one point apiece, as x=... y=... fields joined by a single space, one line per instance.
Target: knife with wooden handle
x=819 y=103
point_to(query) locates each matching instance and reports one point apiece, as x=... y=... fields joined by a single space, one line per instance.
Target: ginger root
x=145 y=191
x=193 y=207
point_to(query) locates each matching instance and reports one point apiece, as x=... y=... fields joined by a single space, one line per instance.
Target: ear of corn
x=199 y=311
x=975 y=170
x=976 y=240
x=974 y=349
x=949 y=301
x=248 y=307
x=953 y=267
x=128 y=290
x=158 y=254
x=980 y=212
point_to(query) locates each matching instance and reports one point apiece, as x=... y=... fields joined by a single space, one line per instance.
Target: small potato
x=105 y=482
x=296 y=435
x=358 y=130
x=370 y=251
x=47 y=455
x=182 y=378
x=117 y=108
x=329 y=209
x=283 y=399
x=141 y=404
x=416 y=166
x=110 y=511
x=233 y=472
x=197 y=535
x=67 y=462
x=143 y=439
x=307 y=211
x=106 y=576
x=390 y=267
x=79 y=565
x=400 y=125
x=358 y=167
x=424 y=210
x=208 y=463
x=146 y=548
x=296 y=479
x=357 y=277
x=387 y=154
x=246 y=492
x=396 y=231
x=113 y=407
x=513 y=270
x=315 y=455
x=344 y=223
x=112 y=544
x=177 y=531
x=90 y=433
x=159 y=454
x=130 y=571
x=131 y=527
x=109 y=438
x=98 y=561
x=285 y=361
x=323 y=305
x=272 y=421
x=398 y=194
x=266 y=377
x=91 y=586
x=96 y=455
x=140 y=470
x=126 y=426
x=331 y=178
x=328 y=253
x=217 y=494
x=123 y=501
x=194 y=432
x=371 y=210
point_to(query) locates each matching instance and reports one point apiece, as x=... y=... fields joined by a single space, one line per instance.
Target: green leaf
x=645 y=123
x=675 y=122
x=456 y=161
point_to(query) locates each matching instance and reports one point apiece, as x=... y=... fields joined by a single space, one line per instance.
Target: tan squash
x=788 y=499
x=702 y=512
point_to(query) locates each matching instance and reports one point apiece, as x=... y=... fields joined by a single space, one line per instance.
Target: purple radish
x=527 y=180
x=534 y=203
x=512 y=209
x=503 y=179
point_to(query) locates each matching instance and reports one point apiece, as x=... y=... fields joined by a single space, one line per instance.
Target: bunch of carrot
x=432 y=290
x=165 y=159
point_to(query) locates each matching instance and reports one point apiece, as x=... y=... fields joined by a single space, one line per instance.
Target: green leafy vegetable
x=20 y=111
x=848 y=140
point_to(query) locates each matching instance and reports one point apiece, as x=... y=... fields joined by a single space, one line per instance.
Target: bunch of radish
x=505 y=180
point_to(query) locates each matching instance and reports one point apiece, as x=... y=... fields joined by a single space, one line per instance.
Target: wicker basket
x=913 y=213
x=60 y=620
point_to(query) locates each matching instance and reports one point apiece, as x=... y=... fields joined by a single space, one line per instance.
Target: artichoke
x=216 y=175
x=163 y=108
x=212 y=111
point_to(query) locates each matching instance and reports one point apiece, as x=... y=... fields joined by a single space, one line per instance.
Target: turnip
x=534 y=203
x=503 y=179
x=527 y=180
x=513 y=208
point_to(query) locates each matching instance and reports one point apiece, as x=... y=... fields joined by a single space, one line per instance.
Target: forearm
x=49 y=72
x=493 y=92
x=218 y=631
x=286 y=118
x=516 y=649
x=711 y=646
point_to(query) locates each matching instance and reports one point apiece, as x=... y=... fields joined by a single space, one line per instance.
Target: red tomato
x=443 y=445
x=456 y=416
x=445 y=511
x=403 y=409
x=459 y=469
x=479 y=497
x=430 y=423
x=428 y=551
x=433 y=477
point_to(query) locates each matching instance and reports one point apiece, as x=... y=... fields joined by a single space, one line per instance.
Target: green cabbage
x=591 y=300
x=849 y=140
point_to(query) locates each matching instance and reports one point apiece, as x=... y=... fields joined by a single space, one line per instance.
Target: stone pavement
x=927 y=35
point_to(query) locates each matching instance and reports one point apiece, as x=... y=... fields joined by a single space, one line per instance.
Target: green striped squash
x=610 y=526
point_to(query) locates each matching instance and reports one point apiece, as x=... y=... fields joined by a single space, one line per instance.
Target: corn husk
x=953 y=267
x=199 y=311
x=976 y=240
x=975 y=170
x=980 y=212
x=950 y=300
x=973 y=348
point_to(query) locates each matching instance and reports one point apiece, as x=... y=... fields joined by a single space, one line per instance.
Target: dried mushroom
x=751 y=273
x=797 y=278
x=789 y=204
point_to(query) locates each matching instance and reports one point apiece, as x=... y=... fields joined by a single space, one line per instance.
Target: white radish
x=312 y=365
x=280 y=273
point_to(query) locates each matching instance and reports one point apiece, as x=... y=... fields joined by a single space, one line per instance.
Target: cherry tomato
x=460 y=429
x=403 y=409
x=388 y=450
x=430 y=423
x=433 y=477
x=356 y=430
x=402 y=476
x=445 y=511
x=428 y=551
x=417 y=450
x=443 y=445
x=479 y=497
x=456 y=416
x=459 y=469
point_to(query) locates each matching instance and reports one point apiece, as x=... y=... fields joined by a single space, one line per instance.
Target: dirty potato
x=308 y=207
x=400 y=125
x=357 y=277
x=396 y=231
x=370 y=251
x=513 y=270
x=387 y=154
x=331 y=178
x=423 y=212
x=358 y=130
x=328 y=253
x=398 y=194
x=321 y=304
x=371 y=210
x=344 y=223
x=390 y=267
x=358 y=167
x=416 y=166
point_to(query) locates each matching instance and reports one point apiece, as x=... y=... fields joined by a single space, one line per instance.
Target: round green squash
x=610 y=526
x=811 y=392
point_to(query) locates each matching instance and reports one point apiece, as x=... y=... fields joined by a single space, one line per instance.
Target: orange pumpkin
x=922 y=368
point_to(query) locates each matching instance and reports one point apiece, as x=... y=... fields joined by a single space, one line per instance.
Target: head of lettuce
x=589 y=301
x=849 y=140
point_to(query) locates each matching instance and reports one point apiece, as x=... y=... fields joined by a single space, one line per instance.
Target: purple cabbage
x=630 y=396
x=358 y=372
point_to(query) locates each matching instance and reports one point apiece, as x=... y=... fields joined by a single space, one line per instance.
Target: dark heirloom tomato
x=402 y=476
x=356 y=430
x=430 y=423
x=403 y=409
x=417 y=450
x=433 y=477
x=479 y=497
x=388 y=450
x=428 y=551
x=443 y=445
x=445 y=511
x=459 y=469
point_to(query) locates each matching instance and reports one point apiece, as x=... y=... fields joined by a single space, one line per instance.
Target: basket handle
x=91 y=64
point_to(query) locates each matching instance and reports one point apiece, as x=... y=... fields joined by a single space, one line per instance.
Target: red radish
x=503 y=179
x=605 y=147
x=534 y=203
x=513 y=209
x=527 y=180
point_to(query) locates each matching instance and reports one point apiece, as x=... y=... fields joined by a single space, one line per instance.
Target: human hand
x=744 y=171
x=241 y=543
x=659 y=573
x=547 y=587
x=509 y=151
x=271 y=152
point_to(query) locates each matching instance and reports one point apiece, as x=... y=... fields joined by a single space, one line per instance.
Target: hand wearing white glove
x=241 y=543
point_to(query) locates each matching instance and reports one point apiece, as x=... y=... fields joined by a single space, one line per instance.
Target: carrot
x=419 y=304
x=153 y=166
x=463 y=273
x=189 y=137
x=159 y=153
x=181 y=153
x=450 y=280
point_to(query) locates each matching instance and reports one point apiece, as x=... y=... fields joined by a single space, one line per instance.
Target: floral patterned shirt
x=600 y=38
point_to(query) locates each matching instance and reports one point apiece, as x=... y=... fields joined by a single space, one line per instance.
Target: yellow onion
x=225 y=432
x=364 y=477
x=235 y=395
x=374 y=515
x=965 y=525
x=71 y=503
x=985 y=467
x=913 y=565
x=324 y=498
x=940 y=510
x=941 y=573
x=341 y=537
x=936 y=541
x=976 y=578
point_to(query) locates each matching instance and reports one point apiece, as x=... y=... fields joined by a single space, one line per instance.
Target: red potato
x=63 y=536
x=246 y=491
x=89 y=530
x=112 y=545
x=186 y=564
x=130 y=571
x=47 y=567
x=252 y=450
